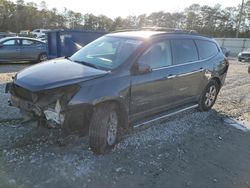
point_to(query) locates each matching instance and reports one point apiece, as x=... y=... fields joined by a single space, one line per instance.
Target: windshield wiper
x=87 y=64
x=68 y=58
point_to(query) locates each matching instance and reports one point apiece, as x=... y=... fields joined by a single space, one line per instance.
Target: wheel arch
x=40 y=54
x=218 y=81
x=123 y=112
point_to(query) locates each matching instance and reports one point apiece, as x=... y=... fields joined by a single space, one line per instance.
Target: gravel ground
x=191 y=149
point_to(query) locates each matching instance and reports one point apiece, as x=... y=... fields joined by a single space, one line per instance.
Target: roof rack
x=175 y=30
x=124 y=30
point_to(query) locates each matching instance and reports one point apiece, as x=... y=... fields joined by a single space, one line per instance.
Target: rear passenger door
x=209 y=59
x=30 y=49
x=188 y=71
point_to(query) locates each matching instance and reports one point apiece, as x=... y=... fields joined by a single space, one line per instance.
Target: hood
x=55 y=73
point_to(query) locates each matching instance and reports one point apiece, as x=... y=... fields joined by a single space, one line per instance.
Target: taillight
x=226 y=61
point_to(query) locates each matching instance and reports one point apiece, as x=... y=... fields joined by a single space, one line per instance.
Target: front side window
x=10 y=43
x=157 y=56
x=184 y=51
x=107 y=52
x=206 y=48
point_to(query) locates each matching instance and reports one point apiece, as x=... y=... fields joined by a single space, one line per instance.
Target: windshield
x=106 y=52
x=2 y=40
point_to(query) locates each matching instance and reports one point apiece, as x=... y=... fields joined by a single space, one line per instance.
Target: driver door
x=153 y=92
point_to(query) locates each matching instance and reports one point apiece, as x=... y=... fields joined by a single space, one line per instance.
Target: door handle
x=171 y=76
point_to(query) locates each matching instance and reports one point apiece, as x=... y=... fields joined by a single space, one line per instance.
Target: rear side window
x=184 y=51
x=28 y=42
x=206 y=49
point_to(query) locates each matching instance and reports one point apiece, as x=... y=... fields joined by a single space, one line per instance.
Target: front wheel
x=209 y=96
x=104 y=128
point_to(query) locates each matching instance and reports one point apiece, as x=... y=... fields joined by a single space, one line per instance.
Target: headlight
x=50 y=98
x=54 y=103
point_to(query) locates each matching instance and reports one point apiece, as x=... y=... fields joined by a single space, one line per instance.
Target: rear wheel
x=209 y=96
x=104 y=128
x=42 y=57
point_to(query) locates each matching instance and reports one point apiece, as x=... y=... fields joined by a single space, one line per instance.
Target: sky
x=115 y=8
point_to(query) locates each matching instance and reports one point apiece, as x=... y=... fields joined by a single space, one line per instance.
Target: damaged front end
x=48 y=106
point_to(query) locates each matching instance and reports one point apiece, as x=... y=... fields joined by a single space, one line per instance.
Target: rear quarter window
x=184 y=51
x=206 y=49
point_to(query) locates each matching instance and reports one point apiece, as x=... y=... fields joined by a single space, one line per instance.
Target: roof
x=148 y=33
x=7 y=38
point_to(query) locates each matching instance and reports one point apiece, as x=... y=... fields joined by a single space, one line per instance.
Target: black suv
x=120 y=81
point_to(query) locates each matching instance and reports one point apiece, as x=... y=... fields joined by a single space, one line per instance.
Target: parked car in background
x=24 y=33
x=244 y=56
x=13 y=49
x=39 y=33
x=122 y=80
x=7 y=34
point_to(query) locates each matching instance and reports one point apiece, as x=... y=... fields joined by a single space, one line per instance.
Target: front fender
x=103 y=90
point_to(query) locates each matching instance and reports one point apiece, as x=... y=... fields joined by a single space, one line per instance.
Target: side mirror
x=225 y=51
x=141 y=68
x=227 y=54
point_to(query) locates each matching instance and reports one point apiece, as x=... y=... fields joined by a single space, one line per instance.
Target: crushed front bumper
x=47 y=105
x=54 y=116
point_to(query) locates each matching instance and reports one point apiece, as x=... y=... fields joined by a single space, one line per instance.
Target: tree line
x=210 y=20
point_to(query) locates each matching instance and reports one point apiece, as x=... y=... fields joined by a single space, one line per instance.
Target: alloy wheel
x=112 y=128
x=43 y=57
x=210 y=96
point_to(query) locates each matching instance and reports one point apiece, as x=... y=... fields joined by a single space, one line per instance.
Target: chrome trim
x=165 y=116
x=188 y=63
x=189 y=73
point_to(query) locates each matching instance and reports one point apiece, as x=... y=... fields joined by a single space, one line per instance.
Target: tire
x=42 y=57
x=41 y=122
x=104 y=129
x=209 y=96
